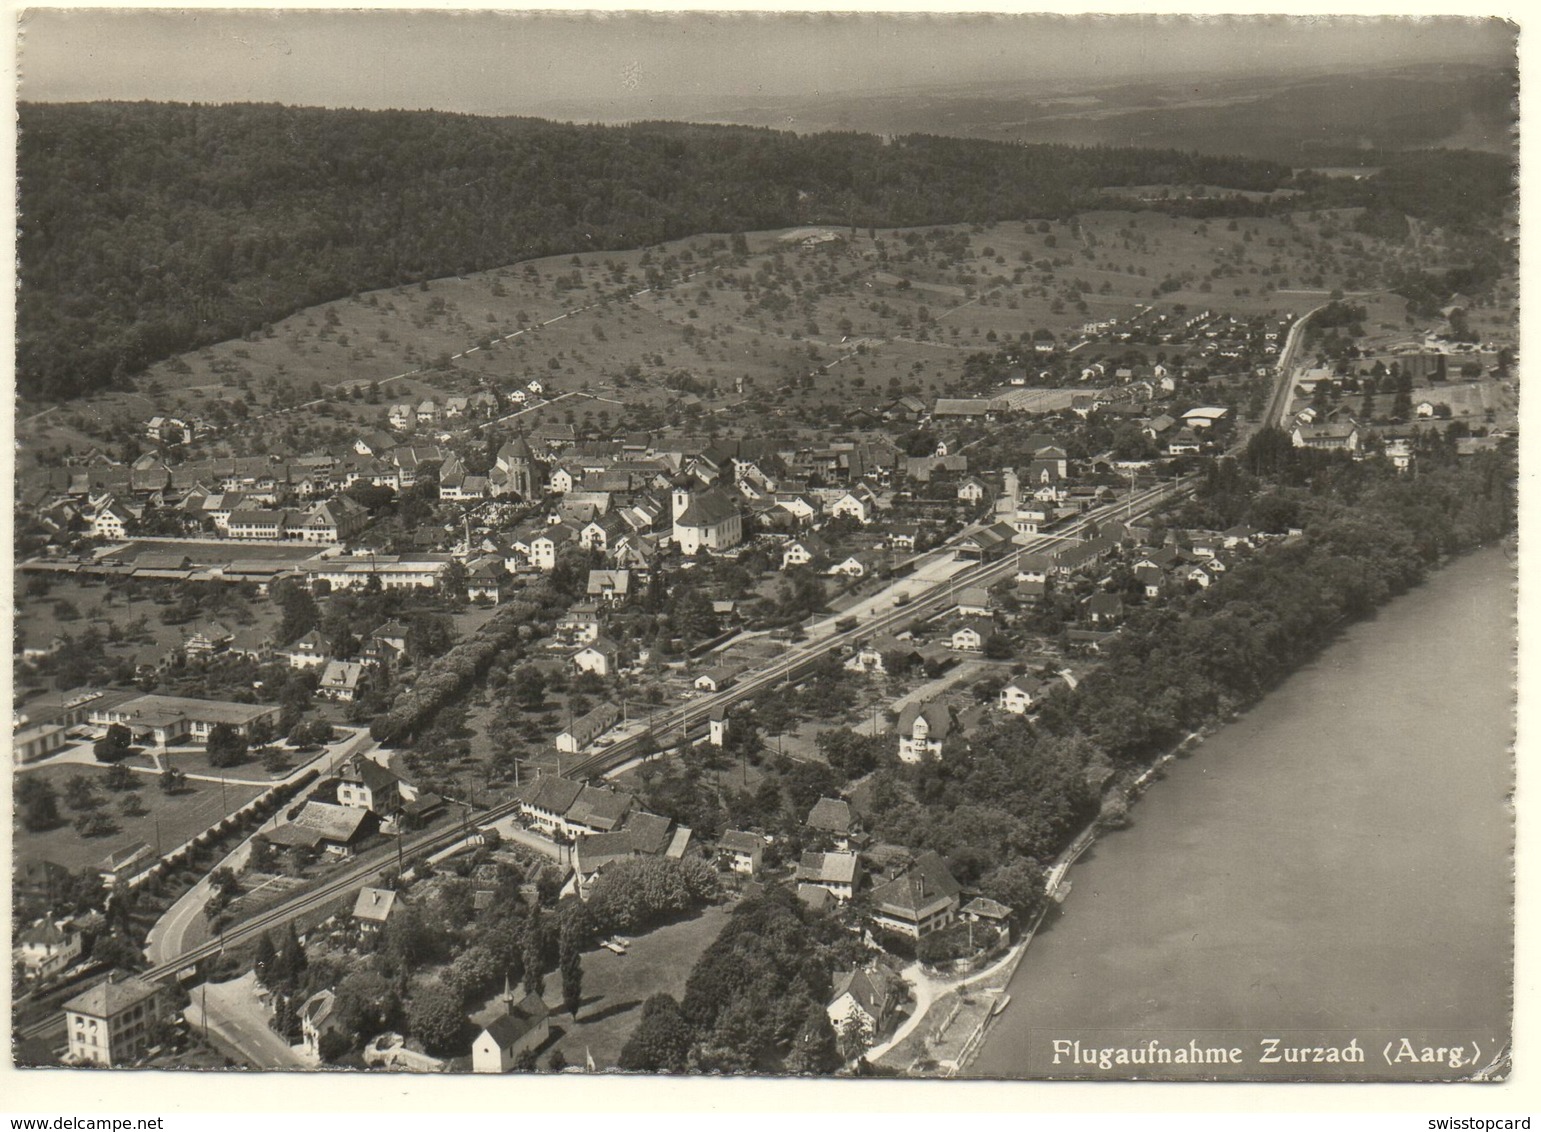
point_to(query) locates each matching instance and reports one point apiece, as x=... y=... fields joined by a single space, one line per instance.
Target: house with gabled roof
x=923 y=728
x=113 y=1022
x=520 y=1026
x=802 y=550
x=364 y=784
x=969 y=638
x=872 y=655
x=588 y=727
x=718 y=678
x=741 y=851
x=373 y=908
x=340 y=680
x=48 y=947
x=862 y=564
x=326 y=827
x=832 y=816
x=123 y=864
x=598 y=809
x=612 y=586
x=1020 y=693
x=318 y=1018
x=546 y=800
x=602 y=657
x=545 y=545
x=1105 y=608
x=861 y=1000
x=972 y=489
x=918 y=901
x=310 y=651
x=706 y=521
x=839 y=874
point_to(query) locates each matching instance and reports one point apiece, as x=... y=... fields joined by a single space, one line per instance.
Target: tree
x=118 y=778
x=334 y=1044
x=38 y=802
x=816 y=1048
x=264 y=958
x=662 y=1040
x=527 y=686
x=570 y=964
x=367 y=1003
x=534 y=954
x=94 y=823
x=172 y=780
x=80 y=792
x=292 y=962
x=299 y=612
x=855 y=1036
x=114 y=745
x=226 y=746
x=434 y=1016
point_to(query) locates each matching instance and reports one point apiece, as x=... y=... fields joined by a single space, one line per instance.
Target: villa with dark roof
x=919 y=900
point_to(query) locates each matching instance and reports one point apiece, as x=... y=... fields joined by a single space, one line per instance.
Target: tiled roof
x=551 y=794
x=738 y=841
x=374 y=904
x=110 y=998
x=827 y=868
x=831 y=814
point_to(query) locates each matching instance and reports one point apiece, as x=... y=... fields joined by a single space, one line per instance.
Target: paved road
x=232 y=1011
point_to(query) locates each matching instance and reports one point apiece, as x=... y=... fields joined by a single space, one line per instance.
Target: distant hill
x=1357 y=117
x=150 y=229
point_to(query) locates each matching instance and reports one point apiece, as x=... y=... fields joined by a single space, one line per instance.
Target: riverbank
x=1213 y=909
x=975 y=1016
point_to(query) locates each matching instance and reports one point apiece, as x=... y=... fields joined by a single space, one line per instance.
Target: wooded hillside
x=150 y=229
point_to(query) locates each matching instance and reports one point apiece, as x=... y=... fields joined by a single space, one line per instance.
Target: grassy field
x=616 y=986
x=169 y=820
x=848 y=319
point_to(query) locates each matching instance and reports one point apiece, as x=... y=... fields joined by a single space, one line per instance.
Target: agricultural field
x=793 y=328
x=167 y=819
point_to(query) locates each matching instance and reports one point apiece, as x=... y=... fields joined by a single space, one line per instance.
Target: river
x=1331 y=870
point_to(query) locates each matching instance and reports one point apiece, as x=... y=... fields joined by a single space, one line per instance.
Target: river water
x=1332 y=870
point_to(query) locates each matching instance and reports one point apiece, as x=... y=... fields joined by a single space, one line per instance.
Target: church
x=706 y=521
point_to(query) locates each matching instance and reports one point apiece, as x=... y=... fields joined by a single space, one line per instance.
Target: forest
x=149 y=229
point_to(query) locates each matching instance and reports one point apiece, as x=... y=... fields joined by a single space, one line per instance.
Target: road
x=232 y=1011
x=1284 y=383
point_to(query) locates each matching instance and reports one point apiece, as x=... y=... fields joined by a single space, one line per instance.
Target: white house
x=602 y=658
x=861 y=1002
x=741 y=852
x=520 y=1027
x=48 y=947
x=923 y=728
x=836 y=873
